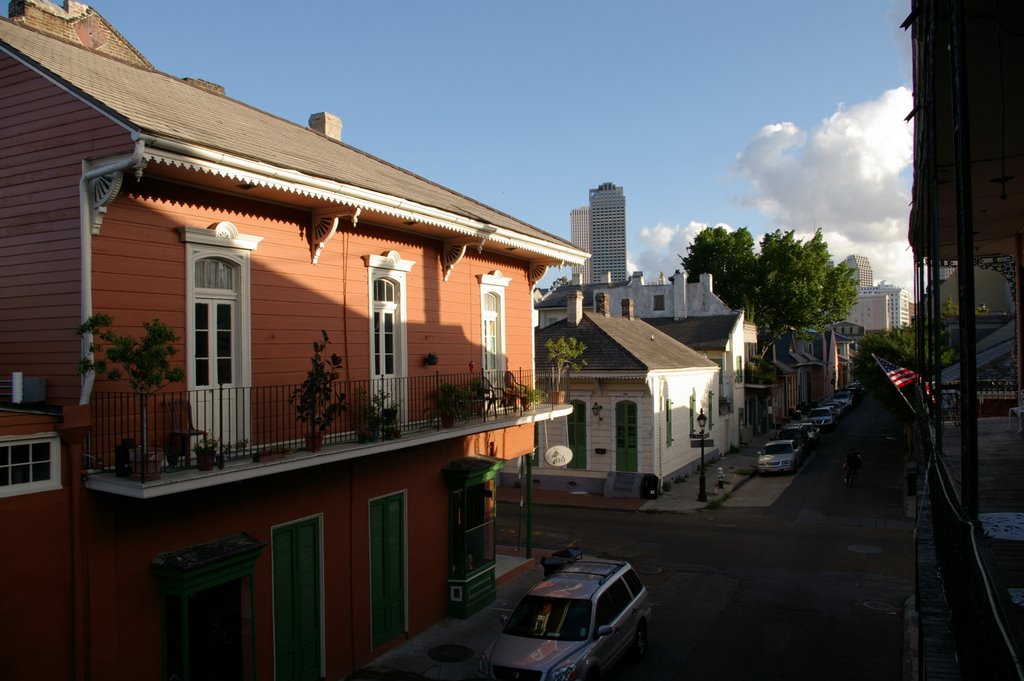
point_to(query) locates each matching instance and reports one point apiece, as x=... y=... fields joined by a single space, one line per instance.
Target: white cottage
x=636 y=402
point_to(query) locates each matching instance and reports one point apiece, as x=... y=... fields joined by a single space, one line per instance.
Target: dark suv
x=573 y=625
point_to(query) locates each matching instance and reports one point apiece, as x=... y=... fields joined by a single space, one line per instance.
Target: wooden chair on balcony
x=182 y=430
x=485 y=397
x=512 y=392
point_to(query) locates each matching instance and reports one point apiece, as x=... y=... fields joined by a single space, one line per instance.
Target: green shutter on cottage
x=626 y=436
x=577 y=425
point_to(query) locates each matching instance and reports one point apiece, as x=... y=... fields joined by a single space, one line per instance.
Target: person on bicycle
x=851 y=465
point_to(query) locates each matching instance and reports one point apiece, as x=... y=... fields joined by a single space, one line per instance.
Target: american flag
x=899 y=376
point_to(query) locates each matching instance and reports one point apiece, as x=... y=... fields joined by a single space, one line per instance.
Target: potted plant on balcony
x=564 y=354
x=317 y=400
x=452 y=403
x=529 y=396
x=206 y=450
x=142 y=364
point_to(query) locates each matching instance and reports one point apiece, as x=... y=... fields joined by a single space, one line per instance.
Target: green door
x=387 y=568
x=296 y=558
x=577 y=424
x=625 y=437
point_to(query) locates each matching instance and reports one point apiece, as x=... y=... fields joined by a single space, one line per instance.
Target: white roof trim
x=202 y=160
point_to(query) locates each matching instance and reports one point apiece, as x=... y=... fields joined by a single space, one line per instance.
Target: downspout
x=85 y=209
x=80 y=604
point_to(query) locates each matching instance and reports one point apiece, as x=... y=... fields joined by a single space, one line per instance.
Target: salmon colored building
x=142 y=196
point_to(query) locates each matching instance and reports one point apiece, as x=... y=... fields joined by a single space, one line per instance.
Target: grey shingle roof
x=710 y=332
x=161 y=105
x=621 y=344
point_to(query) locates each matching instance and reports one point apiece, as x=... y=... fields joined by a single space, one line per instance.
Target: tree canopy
x=789 y=287
x=729 y=258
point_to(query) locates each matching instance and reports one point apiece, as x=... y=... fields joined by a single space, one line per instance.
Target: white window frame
x=389 y=266
x=222 y=241
x=54 y=481
x=493 y=283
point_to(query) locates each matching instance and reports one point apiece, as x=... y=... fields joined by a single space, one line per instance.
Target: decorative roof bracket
x=322 y=227
x=537 y=270
x=451 y=253
x=102 y=192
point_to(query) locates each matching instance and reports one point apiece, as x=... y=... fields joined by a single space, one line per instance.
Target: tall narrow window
x=387 y=293
x=492 y=323
x=494 y=354
x=385 y=323
x=217 y=340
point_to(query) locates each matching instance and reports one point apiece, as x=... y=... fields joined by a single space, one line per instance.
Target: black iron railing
x=260 y=422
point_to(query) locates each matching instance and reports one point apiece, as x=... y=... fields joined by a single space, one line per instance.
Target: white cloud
x=662 y=248
x=847 y=177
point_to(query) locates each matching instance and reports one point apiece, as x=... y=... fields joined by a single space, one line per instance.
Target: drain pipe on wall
x=85 y=209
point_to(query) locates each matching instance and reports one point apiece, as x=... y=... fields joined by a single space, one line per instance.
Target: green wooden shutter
x=625 y=436
x=387 y=568
x=577 y=424
x=296 y=558
x=668 y=423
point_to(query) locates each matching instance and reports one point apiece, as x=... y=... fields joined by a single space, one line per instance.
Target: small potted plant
x=430 y=359
x=529 y=396
x=317 y=400
x=366 y=417
x=206 y=450
x=452 y=403
x=390 y=428
x=564 y=353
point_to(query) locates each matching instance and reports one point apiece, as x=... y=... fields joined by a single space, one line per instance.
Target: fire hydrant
x=721 y=478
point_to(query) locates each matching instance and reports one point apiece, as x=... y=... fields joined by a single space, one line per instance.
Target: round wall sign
x=559 y=455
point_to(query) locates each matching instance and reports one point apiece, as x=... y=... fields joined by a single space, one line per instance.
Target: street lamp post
x=702 y=421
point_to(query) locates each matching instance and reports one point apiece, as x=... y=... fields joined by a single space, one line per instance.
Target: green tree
x=729 y=258
x=797 y=290
x=561 y=281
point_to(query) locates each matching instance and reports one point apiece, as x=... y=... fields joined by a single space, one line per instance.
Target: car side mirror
x=604 y=630
x=503 y=619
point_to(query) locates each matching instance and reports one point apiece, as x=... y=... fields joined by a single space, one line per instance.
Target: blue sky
x=785 y=114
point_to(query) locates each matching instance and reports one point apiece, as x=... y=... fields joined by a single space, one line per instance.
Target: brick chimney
x=78 y=24
x=627 y=309
x=575 y=307
x=327 y=124
x=601 y=303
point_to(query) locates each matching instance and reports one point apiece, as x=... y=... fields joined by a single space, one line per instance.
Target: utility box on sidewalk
x=649 y=487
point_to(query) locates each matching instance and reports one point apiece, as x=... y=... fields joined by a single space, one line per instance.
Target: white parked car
x=575 y=624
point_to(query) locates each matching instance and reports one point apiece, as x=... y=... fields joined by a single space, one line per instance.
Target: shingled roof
x=619 y=344
x=152 y=103
x=711 y=332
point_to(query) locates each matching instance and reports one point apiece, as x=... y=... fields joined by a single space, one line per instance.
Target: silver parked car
x=573 y=625
x=823 y=417
x=778 y=456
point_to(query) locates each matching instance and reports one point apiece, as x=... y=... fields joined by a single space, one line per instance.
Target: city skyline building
x=608 y=233
x=861 y=267
x=580 y=237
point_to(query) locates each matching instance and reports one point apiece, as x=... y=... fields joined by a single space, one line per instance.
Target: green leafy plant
x=141 y=363
x=317 y=400
x=452 y=402
x=565 y=353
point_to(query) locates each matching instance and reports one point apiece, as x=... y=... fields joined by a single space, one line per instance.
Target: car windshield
x=567 y=619
x=821 y=411
x=778 y=448
x=790 y=434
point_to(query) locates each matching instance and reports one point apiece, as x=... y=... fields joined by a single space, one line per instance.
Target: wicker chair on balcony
x=182 y=431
